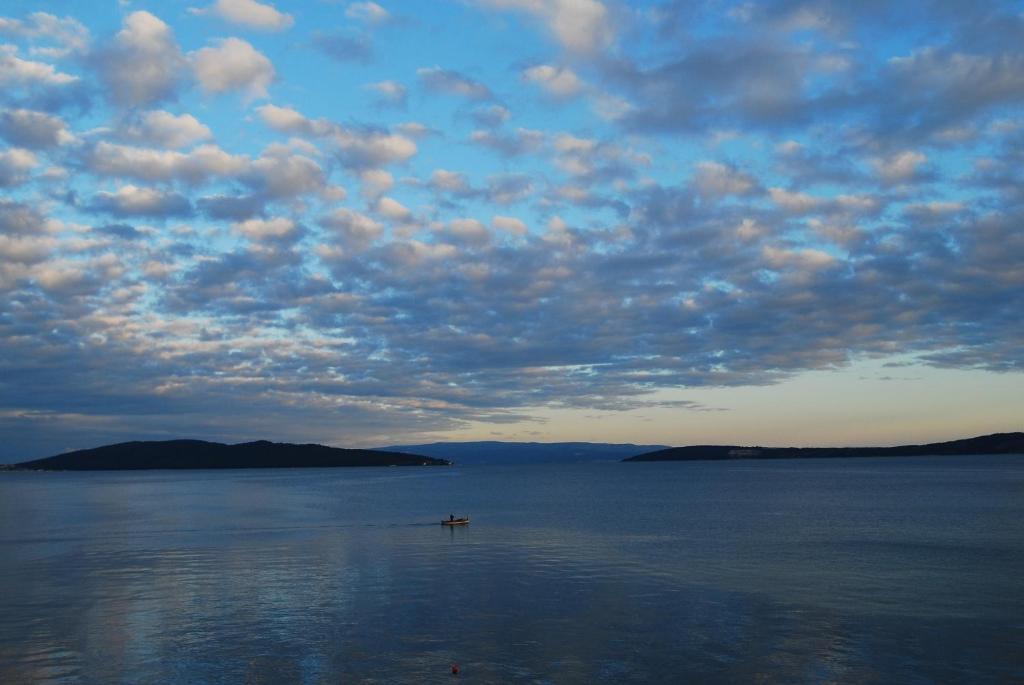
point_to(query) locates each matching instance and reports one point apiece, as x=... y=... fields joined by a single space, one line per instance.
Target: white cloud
x=67 y=32
x=571 y=144
x=390 y=93
x=491 y=116
x=28 y=128
x=393 y=209
x=809 y=259
x=581 y=26
x=795 y=202
x=561 y=82
x=143 y=64
x=25 y=249
x=249 y=13
x=508 y=224
x=468 y=230
x=278 y=173
x=132 y=200
x=356 y=230
x=360 y=149
x=899 y=167
x=370 y=12
x=376 y=182
x=453 y=83
x=411 y=253
x=714 y=179
x=749 y=229
x=522 y=141
x=15 y=71
x=611 y=107
x=168 y=130
x=449 y=181
x=289 y=120
x=414 y=129
x=859 y=204
x=233 y=64
x=264 y=229
x=127 y=161
x=15 y=164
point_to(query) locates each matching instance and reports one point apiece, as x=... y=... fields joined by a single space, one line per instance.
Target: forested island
x=200 y=454
x=997 y=443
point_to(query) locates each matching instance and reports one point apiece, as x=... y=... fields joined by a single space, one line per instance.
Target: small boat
x=455 y=522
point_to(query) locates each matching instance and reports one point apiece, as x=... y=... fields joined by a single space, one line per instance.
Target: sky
x=780 y=223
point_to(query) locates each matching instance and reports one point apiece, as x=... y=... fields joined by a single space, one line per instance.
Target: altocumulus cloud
x=231 y=221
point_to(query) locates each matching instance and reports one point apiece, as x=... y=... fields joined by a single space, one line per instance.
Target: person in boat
x=451 y=517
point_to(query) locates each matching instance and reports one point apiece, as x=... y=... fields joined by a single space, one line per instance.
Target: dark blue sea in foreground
x=846 y=571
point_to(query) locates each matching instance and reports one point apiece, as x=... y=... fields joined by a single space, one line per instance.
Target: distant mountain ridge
x=497 y=452
x=996 y=443
x=200 y=454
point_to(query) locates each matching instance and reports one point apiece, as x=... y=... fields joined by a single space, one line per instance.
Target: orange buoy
x=455 y=669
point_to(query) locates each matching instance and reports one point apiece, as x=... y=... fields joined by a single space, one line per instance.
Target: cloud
x=70 y=35
x=234 y=207
x=508 y=224
x=164 y=129
x=449 y=181
x=589 y=159
x=797 y=259
x=281 y=174
x=390 y=93
x=466 y=231
x=900 y=167
x=393 y=210
x=375 y=182
x=356 y=231
x=796 y=202
x=15 y=71
x=250 y=13
x=17 y=218
x=559 y=82
x=372 y=148
x=491 y=116
x=266 y=229
x=508 y=188
x=289 y=120
x=739 y=199
x=452 y=83
x=143 y=64
x=369 y=12
x=36 y=130
x=132 y=200
x=196 y=166
x=935 y=88
x=15 y=165
x=714 y=179
x=359 y=149
x=120 y=231
x=581 y=26
x=522 y=141
x=345 y=48
x=233 y=65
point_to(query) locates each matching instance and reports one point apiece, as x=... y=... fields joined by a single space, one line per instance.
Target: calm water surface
x=848 y=571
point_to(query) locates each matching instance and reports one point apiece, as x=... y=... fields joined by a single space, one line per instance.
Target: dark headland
x=199 y=454
x=997 y=443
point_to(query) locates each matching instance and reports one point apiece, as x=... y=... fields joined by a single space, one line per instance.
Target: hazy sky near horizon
x=358 y=223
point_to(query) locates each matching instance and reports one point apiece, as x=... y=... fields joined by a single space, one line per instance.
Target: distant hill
x=199 y=454
x=496 y=452
x=997 y=443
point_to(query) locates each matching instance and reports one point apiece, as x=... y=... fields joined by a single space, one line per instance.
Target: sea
x=807 y=571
